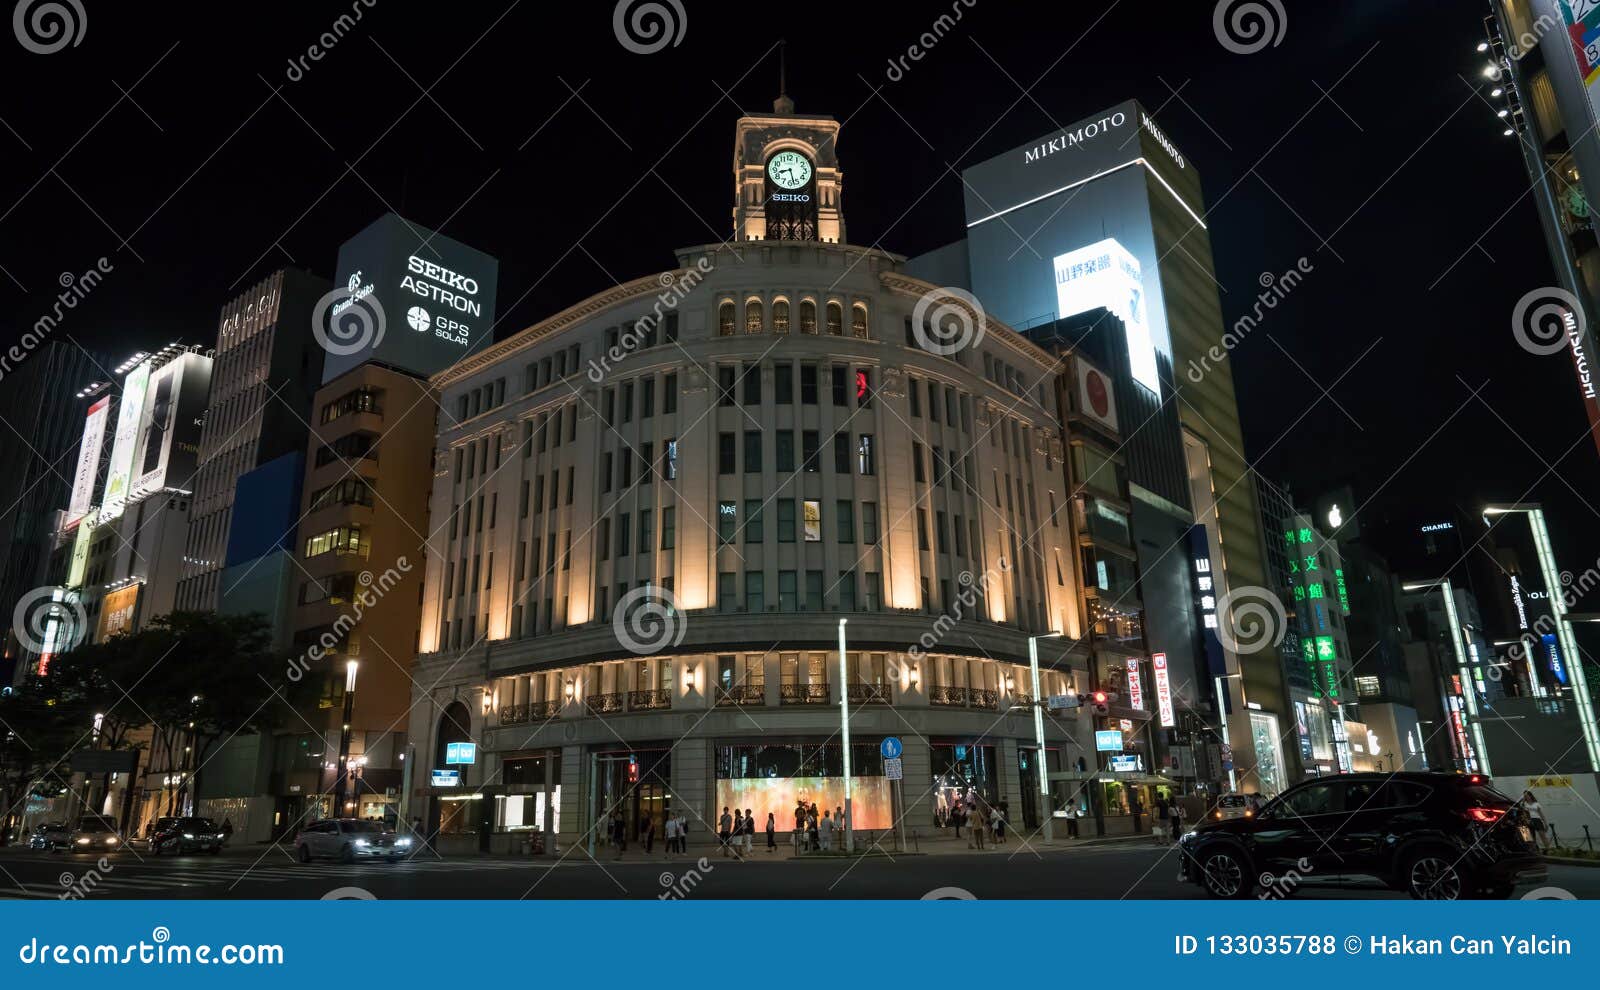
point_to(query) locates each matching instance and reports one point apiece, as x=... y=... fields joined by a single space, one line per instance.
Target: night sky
x=1397 y=188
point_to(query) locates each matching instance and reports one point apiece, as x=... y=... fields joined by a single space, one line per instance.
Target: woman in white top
x=1536 y=820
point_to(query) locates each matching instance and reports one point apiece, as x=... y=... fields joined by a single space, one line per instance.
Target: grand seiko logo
x=1069 y=139
x=357 y=292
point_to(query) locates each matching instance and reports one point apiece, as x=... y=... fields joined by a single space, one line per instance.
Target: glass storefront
x=963 y=776
x=1269 y=752
x=524 y=811
x=637 y=784
x=775 y=778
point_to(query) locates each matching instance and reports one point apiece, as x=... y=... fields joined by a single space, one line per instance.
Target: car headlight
x=402 y=842
x=1188 y=836
x=111 y=840
x=361 y=842
x=188 y=835
x=83 y=842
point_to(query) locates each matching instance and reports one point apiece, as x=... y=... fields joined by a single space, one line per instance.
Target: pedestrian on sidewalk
x=772 y=833
x=683 y=833
x=749 y=831
x=619 y=834
x=813 y=830
x=826 y=831
x=1161 y=816
x=649 y=835
x=997 y=821
x=1176 y=813
x=672 y=837
x=799 y=828
x=1536 y=820
x=976 y=827
x=725 y=830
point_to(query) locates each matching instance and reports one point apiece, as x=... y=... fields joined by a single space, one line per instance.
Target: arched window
x=858 y=320
x=752 y=315
x=780 y=315
x=725 y=318
x=835 y=320
x=808 y=316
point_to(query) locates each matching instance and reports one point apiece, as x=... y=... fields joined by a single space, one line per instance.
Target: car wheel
x=302 y=852
x=155 y=848
x=347 y=854
x=1223 y=874
x=1433 y=876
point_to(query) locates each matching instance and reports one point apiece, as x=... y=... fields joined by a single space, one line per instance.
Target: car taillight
x=1485 y=816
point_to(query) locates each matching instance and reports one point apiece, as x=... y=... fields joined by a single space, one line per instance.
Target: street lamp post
x=344 y=739
x=844 y=729
x=1222 y=716
x=1038 y=736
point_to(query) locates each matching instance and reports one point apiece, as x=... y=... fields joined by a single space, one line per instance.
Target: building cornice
x=1004 y=334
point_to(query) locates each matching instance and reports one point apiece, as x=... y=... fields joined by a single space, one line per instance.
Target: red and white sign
x=1158 y=665
x=1095 y=398
x=1135 y=686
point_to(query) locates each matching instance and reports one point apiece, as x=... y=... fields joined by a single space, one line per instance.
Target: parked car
x=95 y=833
x=1435 y=836
x=1231 y=805
x=349 y=839
x=49 y=835
x=184 y=835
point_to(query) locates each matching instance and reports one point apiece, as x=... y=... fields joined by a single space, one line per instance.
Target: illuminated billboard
x=869 y=799
x=436 y=296
x=117 y=612
x=94 y=437
x=80 y=551
x=125 y=442
x=169 y=450
x=1163 y=678
x=1106 y=274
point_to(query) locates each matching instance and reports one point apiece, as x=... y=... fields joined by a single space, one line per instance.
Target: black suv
x=1436 y=836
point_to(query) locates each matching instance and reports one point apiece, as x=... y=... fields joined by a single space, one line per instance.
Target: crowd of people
x=985 y=822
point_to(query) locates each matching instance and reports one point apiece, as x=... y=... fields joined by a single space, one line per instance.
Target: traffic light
x=1100 y=700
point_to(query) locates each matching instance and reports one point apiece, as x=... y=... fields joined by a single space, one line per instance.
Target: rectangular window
x=919 y=474
x=752 y=452
x=752 y=521
x=873 y=591
x=845 y=521
x=669 y=397
x=939 y=520
x=809 y=441
x=669 y=457
x=752 y=384
x=847 y=591
x=783 y=384
x=813 y=591
x=647 y=398
x=627 y=402
x=785 y=520
x=725 y=384
x=808 y=384
x=864 y=388
x=755 y=596
x=813 y=519
x=602 y=539
x=922 y=529
x=841 y=385
x=869 y=523
x=841 y=453
x=727 y=592
x=916 y=400
x=624 y=534
x=727 y=521
x=866 y=455
x=788 y=592
x=726 y=453
x=646 y=461
x=669 y=524
x=785 y=440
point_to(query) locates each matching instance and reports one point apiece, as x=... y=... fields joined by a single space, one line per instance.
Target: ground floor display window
x=634 y=785
x=777 y=779
x=1269 y=752
x=965 y=778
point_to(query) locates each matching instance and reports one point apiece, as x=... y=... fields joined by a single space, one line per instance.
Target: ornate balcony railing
x=533 y=711
x=742 y=694
x=984 y=698
x=953 y=697
x=646 y=701
x=603 y=704
x=803 y=694
x=869 y=694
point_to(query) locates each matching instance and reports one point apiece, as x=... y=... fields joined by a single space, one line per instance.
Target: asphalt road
x=1113 y=872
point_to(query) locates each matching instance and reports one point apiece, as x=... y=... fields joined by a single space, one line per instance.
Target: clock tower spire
x=786 y=178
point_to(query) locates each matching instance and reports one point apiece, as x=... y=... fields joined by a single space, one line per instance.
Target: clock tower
x=786 y=178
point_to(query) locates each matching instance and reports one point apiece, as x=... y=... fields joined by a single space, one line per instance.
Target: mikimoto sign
x=436 y=296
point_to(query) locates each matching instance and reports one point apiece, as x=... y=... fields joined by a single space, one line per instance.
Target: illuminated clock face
x=789 y=170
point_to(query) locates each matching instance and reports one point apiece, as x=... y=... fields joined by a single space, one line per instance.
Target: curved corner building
x=653 y=510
